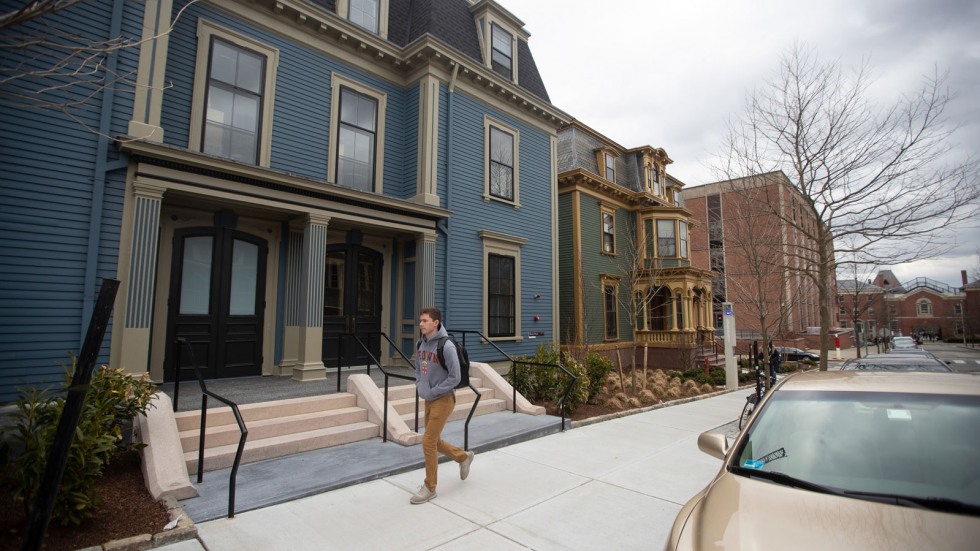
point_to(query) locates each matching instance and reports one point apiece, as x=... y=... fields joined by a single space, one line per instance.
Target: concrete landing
x=288 y=478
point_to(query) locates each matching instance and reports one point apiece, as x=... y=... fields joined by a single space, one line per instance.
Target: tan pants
x=437 y=412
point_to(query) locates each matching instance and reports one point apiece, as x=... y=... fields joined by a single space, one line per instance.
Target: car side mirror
x=714 y=444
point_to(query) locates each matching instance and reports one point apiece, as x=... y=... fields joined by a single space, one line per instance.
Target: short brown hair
x=433 y=313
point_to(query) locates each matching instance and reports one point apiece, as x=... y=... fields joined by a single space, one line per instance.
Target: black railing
x=204 y=409
x=513 y=382
x=387 y=375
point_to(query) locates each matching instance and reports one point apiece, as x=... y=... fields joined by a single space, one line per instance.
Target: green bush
x=597 y=369
x=537 y=381
x=113 y=399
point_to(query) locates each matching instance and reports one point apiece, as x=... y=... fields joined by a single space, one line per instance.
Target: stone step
x=461 y=411
x=222 y=435
x=221 y=457
x=463 y=396
x=190 y=420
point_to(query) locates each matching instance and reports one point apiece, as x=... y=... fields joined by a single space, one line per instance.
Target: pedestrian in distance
x=775 y=359
x=436 y=385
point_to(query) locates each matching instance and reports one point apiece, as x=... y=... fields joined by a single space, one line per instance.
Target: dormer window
x=370 y=15
x=502 y=52
x=364 y=13
x=610 y=167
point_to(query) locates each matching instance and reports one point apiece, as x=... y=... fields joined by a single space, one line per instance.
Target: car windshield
x=918 y=446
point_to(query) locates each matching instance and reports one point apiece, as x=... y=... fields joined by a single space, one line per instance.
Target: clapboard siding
x=566 y=271
x=471 y=214
x=47 y=172
x=301 y=116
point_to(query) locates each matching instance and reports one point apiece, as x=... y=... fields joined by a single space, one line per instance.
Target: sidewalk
x=616 y=484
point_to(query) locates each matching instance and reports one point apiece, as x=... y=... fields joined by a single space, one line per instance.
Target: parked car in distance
x=845 y=460
x=912 y=352
x=895 y=361
x=903 y=343
x=791 y=354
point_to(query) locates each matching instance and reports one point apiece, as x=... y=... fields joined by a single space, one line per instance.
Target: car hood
x=742 y=513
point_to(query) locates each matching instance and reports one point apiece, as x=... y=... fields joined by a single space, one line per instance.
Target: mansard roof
x=453 y=22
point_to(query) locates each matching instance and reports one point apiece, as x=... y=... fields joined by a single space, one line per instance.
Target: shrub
x=597 y=370
x=537 y=380
x=114 y=398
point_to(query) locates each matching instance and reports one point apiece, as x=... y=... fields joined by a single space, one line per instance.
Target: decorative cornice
x=426 y=50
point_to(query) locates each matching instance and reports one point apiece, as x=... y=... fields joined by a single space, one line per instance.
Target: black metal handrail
x=513 y=382
x=387 y=375
x=204 y=408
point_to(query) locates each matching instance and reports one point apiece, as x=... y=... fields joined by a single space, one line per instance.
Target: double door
x=217 y=302
x=351 y=305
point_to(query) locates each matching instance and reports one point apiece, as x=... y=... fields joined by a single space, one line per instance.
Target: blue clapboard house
x=265 y=176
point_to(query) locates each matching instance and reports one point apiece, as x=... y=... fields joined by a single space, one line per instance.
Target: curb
x=185 y=529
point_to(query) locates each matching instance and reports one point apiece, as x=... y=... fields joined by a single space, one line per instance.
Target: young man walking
x=436 y=384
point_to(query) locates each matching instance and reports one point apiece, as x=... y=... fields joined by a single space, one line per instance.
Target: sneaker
x=424 y=494
x=464 y=466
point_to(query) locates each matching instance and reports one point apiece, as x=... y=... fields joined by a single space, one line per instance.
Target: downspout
x=444 y=224
x=98 y=179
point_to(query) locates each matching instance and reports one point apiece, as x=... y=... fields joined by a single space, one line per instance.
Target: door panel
x=352 y=304
x=218 y=287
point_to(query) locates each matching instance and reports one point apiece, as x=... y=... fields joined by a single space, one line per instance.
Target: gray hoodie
x=431 y=379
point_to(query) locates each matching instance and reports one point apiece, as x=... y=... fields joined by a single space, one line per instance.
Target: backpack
x=464 y=360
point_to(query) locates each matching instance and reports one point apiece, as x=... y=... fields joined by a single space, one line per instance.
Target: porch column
x=425 y=272
x=293 y=322
x=673 y=311
x=140 y=280
x=309 y=365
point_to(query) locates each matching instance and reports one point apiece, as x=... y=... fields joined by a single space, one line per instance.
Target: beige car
x=857 y=460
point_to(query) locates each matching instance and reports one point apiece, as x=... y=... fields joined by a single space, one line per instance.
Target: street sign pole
x=731 y=370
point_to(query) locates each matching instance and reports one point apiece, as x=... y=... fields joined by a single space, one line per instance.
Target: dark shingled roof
x=452 y=22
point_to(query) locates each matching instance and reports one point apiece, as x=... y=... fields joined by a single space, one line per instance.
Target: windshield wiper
x=787 y=480
x=943 y=504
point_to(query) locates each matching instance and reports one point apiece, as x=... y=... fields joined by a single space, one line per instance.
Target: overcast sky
x=669 y=73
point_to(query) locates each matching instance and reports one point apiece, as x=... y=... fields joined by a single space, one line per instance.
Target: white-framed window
x=657 y=188
x=502 y=285
x=357 y=126
x=608 y=231
x=370 y=15
x=501 y=51
x=923 y=307
x=502 y=166
x=957 y=309
x=232 y=100
x=892 y=310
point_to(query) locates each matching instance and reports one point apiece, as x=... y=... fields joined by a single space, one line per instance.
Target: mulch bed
x=129 y=511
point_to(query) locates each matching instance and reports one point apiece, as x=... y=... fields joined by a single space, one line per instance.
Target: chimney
x=963 y=277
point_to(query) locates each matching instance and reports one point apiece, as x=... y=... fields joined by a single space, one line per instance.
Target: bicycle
x=752 y=400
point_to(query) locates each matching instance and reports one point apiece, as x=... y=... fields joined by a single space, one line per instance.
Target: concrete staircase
x=296 y=425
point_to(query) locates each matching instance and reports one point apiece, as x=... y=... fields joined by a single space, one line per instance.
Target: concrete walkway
x=617 y=484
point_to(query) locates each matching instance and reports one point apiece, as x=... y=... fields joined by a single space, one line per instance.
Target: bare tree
x=761 y=281
x=976 y=267
x=47 y=62
x=639 y=280
x=881 y=175
x=863 y=300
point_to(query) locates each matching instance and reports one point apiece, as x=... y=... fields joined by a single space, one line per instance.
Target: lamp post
x=963 y=321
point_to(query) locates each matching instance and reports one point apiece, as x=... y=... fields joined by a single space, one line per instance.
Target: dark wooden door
x=351 y=304
x=217 y=301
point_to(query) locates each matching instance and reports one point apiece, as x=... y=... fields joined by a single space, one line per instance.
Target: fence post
x=58 y=456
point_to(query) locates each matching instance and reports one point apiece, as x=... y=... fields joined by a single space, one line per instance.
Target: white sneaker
x=464 y=466
x=424 y=494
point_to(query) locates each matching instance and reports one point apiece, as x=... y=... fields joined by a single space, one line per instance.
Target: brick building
x=885 y=307
x=759 y=260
